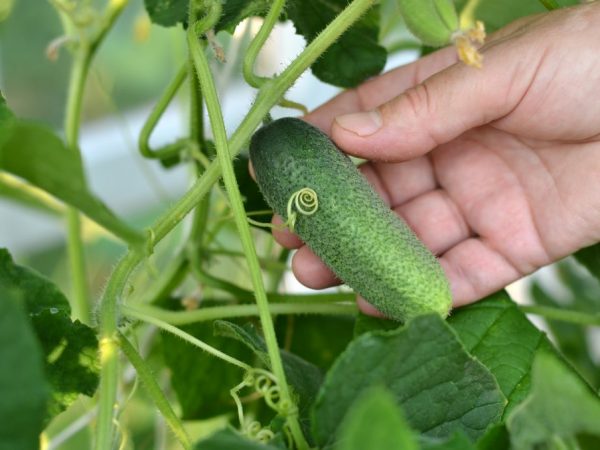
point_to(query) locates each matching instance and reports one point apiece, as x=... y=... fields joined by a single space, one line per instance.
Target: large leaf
x=440 y=387
x=201 y=381
x=23 y=387
x=376 y=422
x=304 y=377
x=70 y=348
x=36 y=154
x=317 y=339
x=228 y=439
x=356 y=55
x=559 y=408
x=502 y=338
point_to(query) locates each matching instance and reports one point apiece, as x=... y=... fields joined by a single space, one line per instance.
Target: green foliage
x=421 y=364
x=375 y=421
x=36 y=154
x=23 y=386
x=355 y=57
x=167 y=12
x=303 y=377
x=70 y=348
x=228 y=439
x=201 y=381
x=500 y=336
x=559 y=408
x=589 y=257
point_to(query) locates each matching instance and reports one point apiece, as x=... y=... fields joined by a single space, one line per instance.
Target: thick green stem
x=220 y=135
x=179 y=318
x=268 y=97
x=562 y=315
x=154 y=391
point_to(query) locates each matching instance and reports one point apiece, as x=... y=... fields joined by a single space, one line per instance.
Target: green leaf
x=375 y=421
x=440 y=387
x=316 y=339
x=589 y=257
x=365 y=324
x=458 y=441
x=23 y=387
x=72 y=365
x=234 y=11
x=559 y=407
x=39 y=293
x=36 y=154
x=167 y=12
x=70 y=348
x=355 y=57
x=202 y=382
x=228 y=439
x=303 y=377
x=502 y=338
x=495 y=438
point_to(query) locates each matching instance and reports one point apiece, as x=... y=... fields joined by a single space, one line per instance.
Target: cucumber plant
x=196 y=315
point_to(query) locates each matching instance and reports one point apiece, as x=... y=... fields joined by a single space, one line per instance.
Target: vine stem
x=144 y=317
x=268 y=97
x=258 y=42
x=234 y=311
x=145 y=374
x=220 y=135
x=562 y=315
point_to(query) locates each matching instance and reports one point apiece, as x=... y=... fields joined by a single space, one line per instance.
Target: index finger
x=381 y=89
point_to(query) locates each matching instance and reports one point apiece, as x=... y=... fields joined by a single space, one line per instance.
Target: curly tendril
x=304 y=201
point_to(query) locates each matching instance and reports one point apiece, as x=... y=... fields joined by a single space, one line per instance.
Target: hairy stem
x=234 y=311
x=160 y=400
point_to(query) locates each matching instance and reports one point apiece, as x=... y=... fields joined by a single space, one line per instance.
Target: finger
x=441 y=108
x=283 y=235
x=311 y=271
x=398 y=183
x=368 y=309
x=381 y=89
x=436 y=220
x=475 y=269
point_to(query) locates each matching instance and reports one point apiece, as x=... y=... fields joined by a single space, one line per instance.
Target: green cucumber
x=352 y=230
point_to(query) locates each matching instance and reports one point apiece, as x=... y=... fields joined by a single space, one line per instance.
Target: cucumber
x=352 y=230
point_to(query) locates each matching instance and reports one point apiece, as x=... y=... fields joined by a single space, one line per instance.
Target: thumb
x=438 y=110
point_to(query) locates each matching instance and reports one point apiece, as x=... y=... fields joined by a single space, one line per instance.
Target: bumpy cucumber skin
x=353 y=231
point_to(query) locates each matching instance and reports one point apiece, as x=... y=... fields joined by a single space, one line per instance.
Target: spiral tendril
x=305 y=201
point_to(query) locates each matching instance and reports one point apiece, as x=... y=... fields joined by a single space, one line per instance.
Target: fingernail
x=362 y=124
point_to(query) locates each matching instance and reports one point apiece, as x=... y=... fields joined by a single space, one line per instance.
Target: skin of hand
x=497 y=170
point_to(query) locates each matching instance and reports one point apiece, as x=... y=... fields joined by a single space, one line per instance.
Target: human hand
x=496 y=170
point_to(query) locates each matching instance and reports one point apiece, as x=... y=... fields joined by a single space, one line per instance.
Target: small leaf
x=499 y=335
x=23 y=387
x=357 y=54
x=167 y=12
x=228 y=439
x=559 y=407
x=36 y=154
x=375 y=421
x=234 y=11
x=440 y=387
